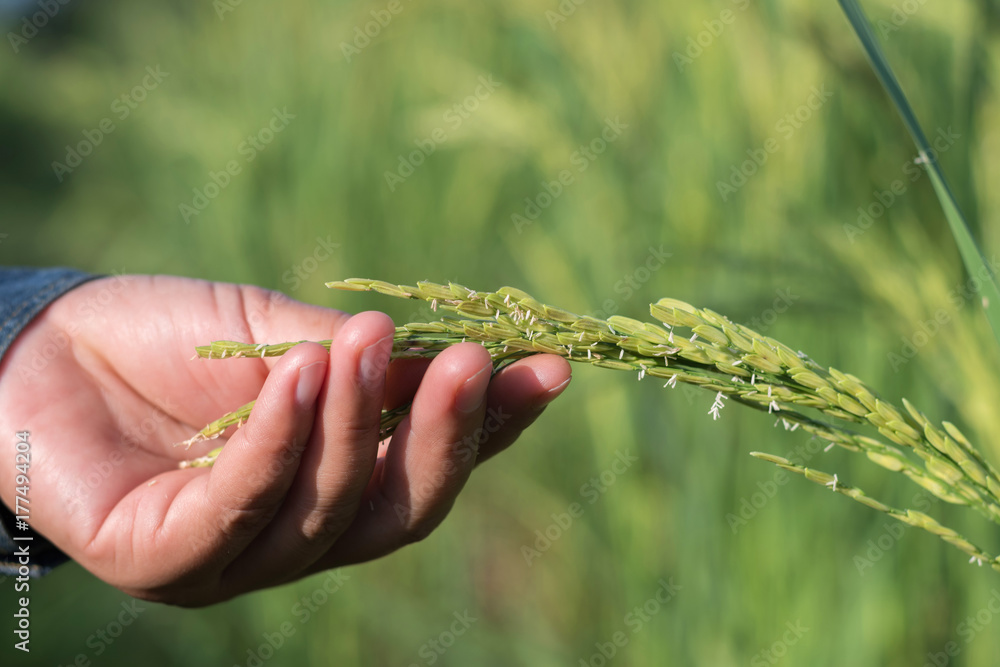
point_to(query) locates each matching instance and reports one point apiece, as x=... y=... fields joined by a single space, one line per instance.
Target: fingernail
x=553 y=393
x=310 y=381
x=472 y=394
x=374 y=362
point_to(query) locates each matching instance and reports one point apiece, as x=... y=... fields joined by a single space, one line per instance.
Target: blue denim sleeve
x=24 y=293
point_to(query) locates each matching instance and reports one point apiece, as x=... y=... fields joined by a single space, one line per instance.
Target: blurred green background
x=702 y=88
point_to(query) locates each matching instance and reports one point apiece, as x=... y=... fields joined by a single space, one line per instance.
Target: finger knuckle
x=418 y=531
x=237 y=519
x=417 y=526
x=323 y=526
x=359 y=431
x=188 y=596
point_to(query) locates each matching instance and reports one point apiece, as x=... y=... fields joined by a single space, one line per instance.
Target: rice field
x=738 y=155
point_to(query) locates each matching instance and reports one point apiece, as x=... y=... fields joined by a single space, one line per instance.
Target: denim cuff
x=24 y=293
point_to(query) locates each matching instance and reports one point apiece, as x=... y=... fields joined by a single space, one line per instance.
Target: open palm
x=104 y=382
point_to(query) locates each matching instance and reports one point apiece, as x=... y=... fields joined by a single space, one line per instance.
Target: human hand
x=104 y=382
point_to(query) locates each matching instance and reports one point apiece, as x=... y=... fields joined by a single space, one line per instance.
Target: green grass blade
x=973 y=258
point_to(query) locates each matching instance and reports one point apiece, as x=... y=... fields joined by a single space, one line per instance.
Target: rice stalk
x=909 y=517
x=693 y=346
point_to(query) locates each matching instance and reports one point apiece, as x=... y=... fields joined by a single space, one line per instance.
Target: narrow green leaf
x=973 y=258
